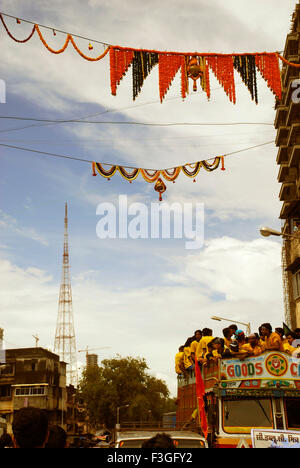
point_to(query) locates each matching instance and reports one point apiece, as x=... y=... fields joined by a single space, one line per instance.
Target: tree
x=123 y=381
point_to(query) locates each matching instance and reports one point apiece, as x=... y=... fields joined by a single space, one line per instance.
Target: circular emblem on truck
x=276 y=364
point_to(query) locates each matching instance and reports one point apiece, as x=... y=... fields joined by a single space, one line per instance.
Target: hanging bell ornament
x=160 y=187
x=90 y=46
x=194 y=71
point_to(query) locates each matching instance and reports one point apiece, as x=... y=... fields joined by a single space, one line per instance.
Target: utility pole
x=65 y=342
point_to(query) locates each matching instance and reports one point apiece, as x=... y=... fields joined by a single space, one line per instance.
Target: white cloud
x=151 y=322
x=10 y=225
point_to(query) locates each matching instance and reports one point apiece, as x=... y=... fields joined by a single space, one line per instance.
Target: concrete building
x=287 y=123
x=36 y=377
x=91 y=360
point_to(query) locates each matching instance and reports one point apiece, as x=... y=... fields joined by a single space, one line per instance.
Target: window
x=292 y=408
x=30 y=391
x=7 y=369
x=5 y=391
x=240 y=416
x=296 y=285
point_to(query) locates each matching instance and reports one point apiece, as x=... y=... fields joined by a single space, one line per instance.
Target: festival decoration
x=155 y=175
x=160 y=187
x=192 y=65
x=246 y=66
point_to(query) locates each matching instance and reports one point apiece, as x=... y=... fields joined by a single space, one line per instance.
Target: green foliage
x=124 y=381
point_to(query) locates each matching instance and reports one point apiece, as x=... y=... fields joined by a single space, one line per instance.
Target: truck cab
x=258 y=392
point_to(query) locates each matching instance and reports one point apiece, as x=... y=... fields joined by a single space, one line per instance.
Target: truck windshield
x=240 y=416
x=292 y=406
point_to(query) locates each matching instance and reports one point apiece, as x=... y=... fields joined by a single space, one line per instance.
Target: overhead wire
x=151 y=124
x=108 y=111
x=46 y=153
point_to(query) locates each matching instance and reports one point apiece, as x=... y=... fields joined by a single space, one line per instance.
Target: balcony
x=282 y=135
x=285 y=210
x=289 y=74
x=288 y=192
x=282 y=156
x=293 y=114
x=283 y=173
x=291 y=45
x=281 y=115
x=288 y=93
x=293 y=135
x=294 y=159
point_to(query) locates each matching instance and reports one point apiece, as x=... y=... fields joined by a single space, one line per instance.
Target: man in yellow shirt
x=289 y=348
x=227 y=333
x=179 y=365
x=201 y=349
x=256 y=348
x=194 y=344
x=187 y=357
x=273 y=341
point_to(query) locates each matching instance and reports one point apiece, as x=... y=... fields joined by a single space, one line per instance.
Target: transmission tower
x=65 y=342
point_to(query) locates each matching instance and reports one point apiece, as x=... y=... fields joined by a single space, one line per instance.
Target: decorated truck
x=257 y=392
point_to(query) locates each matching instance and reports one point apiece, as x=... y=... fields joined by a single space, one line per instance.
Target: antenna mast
x=65 y=342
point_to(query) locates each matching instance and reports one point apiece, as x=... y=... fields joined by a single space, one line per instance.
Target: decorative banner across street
x=151 y=176
x=194 y=66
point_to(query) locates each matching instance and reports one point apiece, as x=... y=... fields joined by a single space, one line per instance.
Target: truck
x=240 y=395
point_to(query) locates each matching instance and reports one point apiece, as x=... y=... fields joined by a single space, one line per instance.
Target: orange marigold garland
x=168 y=66
x=268 y=65
x=171 y=174
x=222 y=67
x=120 y=61
x=12 y=37
x=150 y=176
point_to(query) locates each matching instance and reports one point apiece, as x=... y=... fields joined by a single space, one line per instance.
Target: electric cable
x=45 y=153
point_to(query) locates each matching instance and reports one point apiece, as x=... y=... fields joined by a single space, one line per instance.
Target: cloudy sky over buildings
x=141 y=297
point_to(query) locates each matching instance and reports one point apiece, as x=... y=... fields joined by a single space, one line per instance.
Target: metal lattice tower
x=65 y=342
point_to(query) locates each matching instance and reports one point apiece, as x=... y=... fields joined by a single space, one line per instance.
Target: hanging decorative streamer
x=268 y=66
x=197 y=69
x=155 y=175
x=168 y=66
x=143 y=62
x=222 y=65
x=245 y=65
x=12 y=37
x=160 y=187
x=120 y=61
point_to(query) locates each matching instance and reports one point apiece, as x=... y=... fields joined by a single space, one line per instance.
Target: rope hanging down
x=192 y=66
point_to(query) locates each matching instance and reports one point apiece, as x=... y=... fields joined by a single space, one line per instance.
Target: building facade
x=36 y=377
x=287 y=123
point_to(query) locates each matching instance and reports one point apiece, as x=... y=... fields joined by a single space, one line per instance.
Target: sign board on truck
x=262 y=438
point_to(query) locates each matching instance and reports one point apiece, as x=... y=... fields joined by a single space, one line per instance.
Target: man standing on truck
x=194 y=344
x=179 y=364
x=272 y=341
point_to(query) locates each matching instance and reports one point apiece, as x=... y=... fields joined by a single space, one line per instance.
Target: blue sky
x=141 y=297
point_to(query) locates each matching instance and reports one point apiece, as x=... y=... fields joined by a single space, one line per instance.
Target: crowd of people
x=31 y=429
x=203 y=347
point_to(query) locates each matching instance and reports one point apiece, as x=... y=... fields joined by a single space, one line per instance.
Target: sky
x=136 y=297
